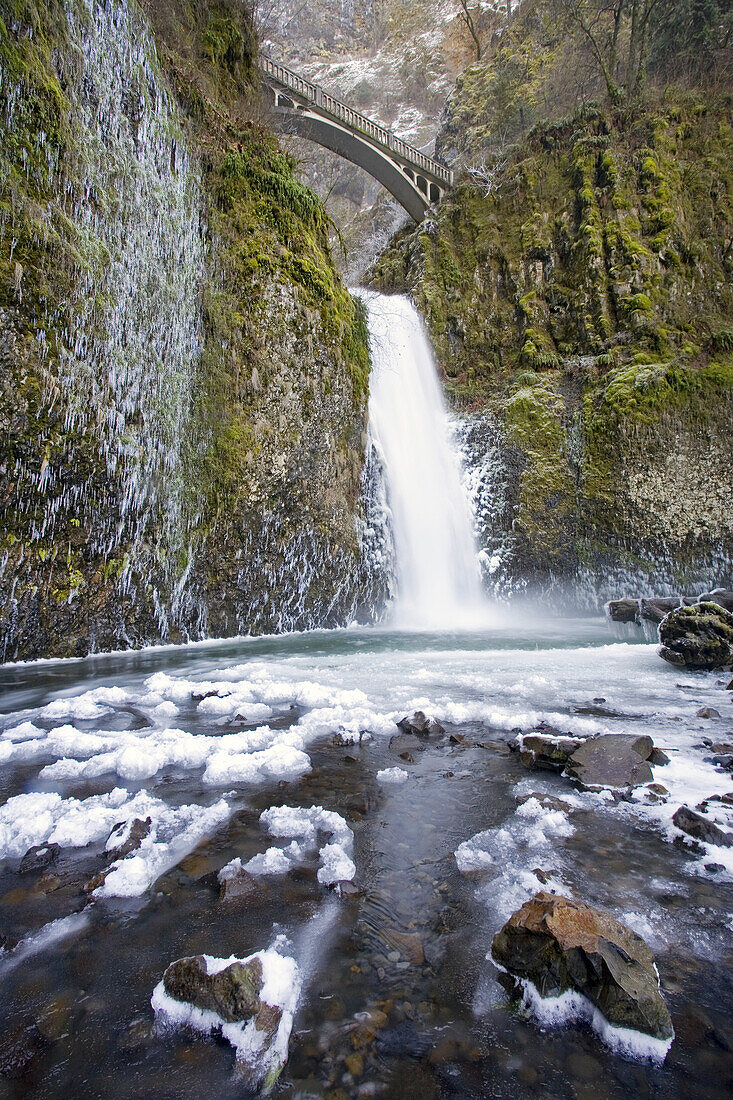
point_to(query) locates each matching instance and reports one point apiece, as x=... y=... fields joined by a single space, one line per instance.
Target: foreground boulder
x=697 y=637
x=39 y=858
x=616 y=760
x=561 y=945
x=226 y=995
x=127 y=836
x=233 y=993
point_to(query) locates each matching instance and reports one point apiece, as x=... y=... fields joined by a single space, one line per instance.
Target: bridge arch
x=415 y=180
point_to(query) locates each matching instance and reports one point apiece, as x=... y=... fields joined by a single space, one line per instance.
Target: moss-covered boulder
x=697 y=637
x=232 y=993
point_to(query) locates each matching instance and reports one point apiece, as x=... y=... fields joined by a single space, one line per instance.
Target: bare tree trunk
x=467 y=18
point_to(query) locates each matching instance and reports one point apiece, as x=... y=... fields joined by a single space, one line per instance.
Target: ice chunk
x=392 y=775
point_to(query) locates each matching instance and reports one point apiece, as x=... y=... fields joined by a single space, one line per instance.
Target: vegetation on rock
x=269 y=427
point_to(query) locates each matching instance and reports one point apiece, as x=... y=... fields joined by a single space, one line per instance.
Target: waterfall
x=438 y=577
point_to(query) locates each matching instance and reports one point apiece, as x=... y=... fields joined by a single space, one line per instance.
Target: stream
x=377 y=1015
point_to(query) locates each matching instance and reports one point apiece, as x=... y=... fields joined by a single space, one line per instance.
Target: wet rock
x=721 y=596
x=545 y=747
x=721 y=746
x=714 y=868
x=236 y=884
x=354 y=1064
x=657 y=758
x=698 y=637
x=421 y=726
x=38 y=858
x=7 y=943
x=559 y=945
x=96 y=881
x=233 y=994
x=707 y=712
x=623 y=611
x=405 y=744
x=655 y=610
x=724 y=761
x=127 y=836
x=56 y=1019
x=701 y=828
x=614 y=760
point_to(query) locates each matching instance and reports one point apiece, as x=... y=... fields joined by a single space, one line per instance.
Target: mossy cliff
x=579 y=294
x=183 y=377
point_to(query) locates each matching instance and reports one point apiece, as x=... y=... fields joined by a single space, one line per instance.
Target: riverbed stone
x=239 y=886
x=421 y=726
x=127 y=837
x=38 y=858
x=560 y=944
x=615 y=760
x=701 y=828
x=233 y=994
x=408 y=944
x=698 y=637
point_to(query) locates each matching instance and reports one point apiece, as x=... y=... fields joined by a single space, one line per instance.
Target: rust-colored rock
x=560 y=945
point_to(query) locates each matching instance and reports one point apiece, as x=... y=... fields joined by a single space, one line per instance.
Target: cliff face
x=183 y=376
x=578 y=290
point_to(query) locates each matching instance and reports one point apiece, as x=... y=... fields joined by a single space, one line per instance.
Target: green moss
x=599 y=233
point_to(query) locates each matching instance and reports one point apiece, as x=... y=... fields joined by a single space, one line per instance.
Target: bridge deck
x=355 y=120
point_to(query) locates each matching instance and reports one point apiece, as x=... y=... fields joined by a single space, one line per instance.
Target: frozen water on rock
x=392 y=775
x=336 y=864
x=281 y=981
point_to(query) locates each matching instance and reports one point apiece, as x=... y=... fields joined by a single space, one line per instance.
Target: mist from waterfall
x=438 y=577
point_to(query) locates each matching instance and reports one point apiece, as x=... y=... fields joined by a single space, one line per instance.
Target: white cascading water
x=438 y=577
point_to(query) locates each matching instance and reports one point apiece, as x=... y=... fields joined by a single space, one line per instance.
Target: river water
x=371 y=1020
x=398 y=995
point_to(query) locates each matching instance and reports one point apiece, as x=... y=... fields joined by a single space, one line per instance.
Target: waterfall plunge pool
x=203 y=738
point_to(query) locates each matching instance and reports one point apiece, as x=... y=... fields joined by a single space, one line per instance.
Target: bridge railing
x=355 y=119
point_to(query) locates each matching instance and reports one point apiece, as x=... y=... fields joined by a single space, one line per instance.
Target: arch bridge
x=414 y=179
